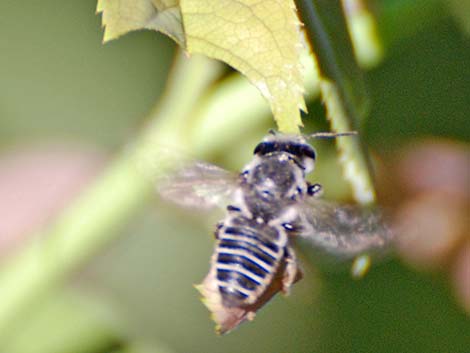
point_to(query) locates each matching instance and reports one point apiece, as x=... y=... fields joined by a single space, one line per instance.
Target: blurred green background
x=59 y=83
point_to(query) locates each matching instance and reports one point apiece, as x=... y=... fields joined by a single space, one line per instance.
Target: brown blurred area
x=427 y=185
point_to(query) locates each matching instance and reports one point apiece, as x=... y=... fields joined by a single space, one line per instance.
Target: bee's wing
x=344 y=231
x=199 y=185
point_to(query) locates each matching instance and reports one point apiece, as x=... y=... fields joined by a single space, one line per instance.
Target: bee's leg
x=292 y=271
x=314 y=189
x=218 y=227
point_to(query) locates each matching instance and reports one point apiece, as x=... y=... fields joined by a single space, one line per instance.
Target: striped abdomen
x=246 y=260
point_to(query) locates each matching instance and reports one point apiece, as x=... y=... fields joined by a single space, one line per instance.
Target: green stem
x=189 y=117
x=342 y=88
x=93 y=220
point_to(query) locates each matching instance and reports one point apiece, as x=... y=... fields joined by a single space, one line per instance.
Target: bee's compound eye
x=308 y=151
x=265 y=147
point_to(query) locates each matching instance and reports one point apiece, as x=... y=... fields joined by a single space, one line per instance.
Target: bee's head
x=296 y=146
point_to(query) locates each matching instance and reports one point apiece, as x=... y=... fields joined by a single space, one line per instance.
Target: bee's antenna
x=272 y=132
x=331 y=134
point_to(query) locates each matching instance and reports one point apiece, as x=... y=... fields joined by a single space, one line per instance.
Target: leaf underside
x=259 y=38
x=122 y=16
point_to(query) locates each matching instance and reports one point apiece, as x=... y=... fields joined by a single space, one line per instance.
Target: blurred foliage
x=341 y=87
x=59 y=82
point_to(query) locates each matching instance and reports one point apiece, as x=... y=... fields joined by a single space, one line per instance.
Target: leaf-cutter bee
x=268 y=205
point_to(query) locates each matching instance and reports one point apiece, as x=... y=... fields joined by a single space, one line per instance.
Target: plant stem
x=95 y=218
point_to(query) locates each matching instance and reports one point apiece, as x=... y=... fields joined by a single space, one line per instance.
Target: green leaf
x=122 y=16
x=91 y=222
x=259 y=38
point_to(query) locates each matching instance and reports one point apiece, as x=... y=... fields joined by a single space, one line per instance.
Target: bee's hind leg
x=292 y=272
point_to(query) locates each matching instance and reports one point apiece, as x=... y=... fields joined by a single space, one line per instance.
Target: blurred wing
x=342 y=231
x=199 y=185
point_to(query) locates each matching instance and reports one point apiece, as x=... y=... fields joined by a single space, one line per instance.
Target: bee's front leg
x=314 y=189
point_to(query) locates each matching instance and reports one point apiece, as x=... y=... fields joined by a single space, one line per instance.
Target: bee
x=268 y=205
